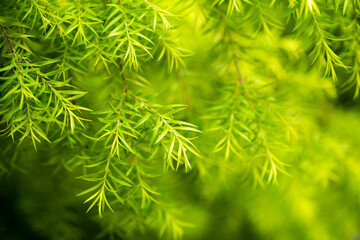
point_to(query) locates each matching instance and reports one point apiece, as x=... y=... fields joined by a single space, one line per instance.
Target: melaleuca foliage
x=158 y=115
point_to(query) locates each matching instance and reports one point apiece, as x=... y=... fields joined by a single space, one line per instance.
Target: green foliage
x=209 y=119
x=128 y=150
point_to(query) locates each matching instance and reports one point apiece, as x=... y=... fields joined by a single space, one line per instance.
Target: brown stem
x=235 y=58
x=125 y=85
x=241 y=81
x=123 y=77
x=42 y=77
x=147 y=105
x=12 y=47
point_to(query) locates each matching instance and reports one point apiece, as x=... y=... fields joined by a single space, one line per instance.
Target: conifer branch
x=65 y=103
x=242 y=131
x=324 y=49
x=184 y=144
x=270 y=158
x=25 y=81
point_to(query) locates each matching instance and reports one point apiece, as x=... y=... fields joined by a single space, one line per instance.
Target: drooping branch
x=231 y=140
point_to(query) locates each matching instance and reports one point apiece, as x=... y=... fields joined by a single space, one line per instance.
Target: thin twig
x=123 y=77
x=125 y=86
x=9 y=41
x=235 y=58
x=40 y=75
x=241 y=80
